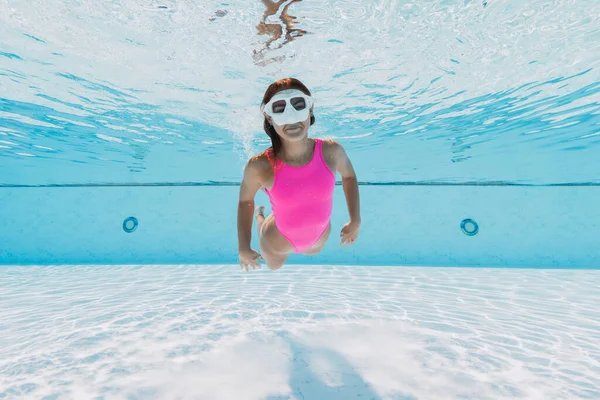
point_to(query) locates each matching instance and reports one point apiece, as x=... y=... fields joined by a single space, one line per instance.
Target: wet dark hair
x=272 y=90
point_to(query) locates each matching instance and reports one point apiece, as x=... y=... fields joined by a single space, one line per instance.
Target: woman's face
x=289 y=112
x=292 y=132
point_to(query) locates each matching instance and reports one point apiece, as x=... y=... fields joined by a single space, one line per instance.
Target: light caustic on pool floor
x=209 y=332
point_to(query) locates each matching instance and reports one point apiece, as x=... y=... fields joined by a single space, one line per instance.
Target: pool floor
x=304 y=332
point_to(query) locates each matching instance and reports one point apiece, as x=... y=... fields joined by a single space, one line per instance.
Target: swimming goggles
x=288 y=107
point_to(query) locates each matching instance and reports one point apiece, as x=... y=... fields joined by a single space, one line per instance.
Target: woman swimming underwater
x=298 y=175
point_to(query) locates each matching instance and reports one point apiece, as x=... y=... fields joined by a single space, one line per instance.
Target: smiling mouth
x=293 y=127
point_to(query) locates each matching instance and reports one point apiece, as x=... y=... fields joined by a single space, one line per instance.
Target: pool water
x=129 y=92
x=449 y=110
x=304 y=332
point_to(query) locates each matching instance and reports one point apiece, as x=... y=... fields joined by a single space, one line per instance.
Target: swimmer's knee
x=274 y=266
x=313 y=252
x=316 y=249
x=274 y=262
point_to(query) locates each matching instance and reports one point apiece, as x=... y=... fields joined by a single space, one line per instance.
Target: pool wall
x=524 y=226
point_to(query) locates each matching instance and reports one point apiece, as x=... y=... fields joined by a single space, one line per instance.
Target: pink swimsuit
x=302 y=200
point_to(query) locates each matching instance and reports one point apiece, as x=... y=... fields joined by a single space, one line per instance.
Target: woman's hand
x=249 y=258
x=349 y=233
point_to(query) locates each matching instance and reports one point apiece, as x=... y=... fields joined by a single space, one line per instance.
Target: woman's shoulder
x=331 y=147
x=329 y=143
x=261 y=162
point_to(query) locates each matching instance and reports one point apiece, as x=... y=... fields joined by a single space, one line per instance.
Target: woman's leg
x=274 y=247
x=317 y=247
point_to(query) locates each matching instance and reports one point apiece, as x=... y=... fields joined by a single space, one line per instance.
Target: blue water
x=129 y=92
x=166 y=93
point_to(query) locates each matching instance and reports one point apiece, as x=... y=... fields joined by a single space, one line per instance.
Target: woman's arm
x=248 y=188
x=349 y=232
x=349 y=183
